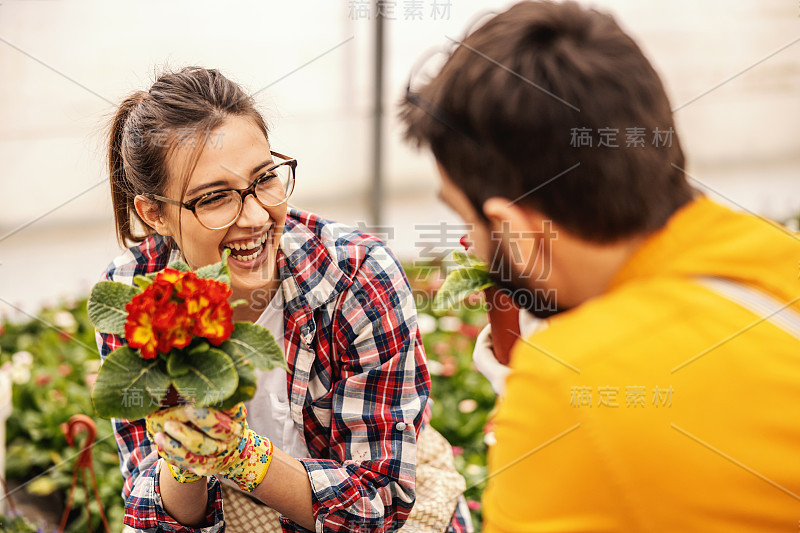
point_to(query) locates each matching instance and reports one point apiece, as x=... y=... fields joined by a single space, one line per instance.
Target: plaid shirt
x=360 y=410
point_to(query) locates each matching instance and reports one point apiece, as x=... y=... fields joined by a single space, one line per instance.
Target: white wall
x=64 y=65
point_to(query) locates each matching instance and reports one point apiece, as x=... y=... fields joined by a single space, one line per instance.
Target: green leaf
x=258 y=346
x=212 y=377
x=200 y=348
x=176 y=364
x=218 y=271
x=42 y=486
x=106 y=306
x=458 y=285
x=247 y=376
x=142 y=281
x=128 y=386
x=466 y=260
x=180 y=266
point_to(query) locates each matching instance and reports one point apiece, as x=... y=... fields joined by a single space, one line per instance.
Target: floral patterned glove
x=213 y=441
x=155 y=424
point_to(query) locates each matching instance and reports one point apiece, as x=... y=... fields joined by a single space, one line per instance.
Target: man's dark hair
x=503 y=114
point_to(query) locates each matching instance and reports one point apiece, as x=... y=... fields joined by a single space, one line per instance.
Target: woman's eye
x=214 y=199
x=266 y=178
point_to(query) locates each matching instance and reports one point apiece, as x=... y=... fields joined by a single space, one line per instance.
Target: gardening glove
x=155 y=424
x=529 y=324
x=213 y=441
x=486 y=363
x=483 y=354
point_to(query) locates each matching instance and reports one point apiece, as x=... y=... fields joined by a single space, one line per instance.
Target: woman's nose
x=253 y=214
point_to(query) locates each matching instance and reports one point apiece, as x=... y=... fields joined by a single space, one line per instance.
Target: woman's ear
x=151 y=213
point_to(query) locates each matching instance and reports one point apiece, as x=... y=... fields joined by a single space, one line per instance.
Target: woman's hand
x=210 y=441
x=155 y=425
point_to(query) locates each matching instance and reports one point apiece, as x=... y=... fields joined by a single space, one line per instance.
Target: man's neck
x=585 y=270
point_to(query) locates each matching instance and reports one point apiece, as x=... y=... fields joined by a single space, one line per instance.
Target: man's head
x=550 y=112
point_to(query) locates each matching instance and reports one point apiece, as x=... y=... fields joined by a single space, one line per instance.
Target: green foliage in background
x=62 y=354
x=49 y=358
x=462 y=398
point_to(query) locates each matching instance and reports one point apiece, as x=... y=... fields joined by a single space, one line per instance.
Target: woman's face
x=237 y=153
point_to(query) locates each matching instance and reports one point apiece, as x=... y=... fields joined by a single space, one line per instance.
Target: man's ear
x=151 y=213
x=523 y=232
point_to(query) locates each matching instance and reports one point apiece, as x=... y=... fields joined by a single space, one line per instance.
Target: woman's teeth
x=246 y=257
x=257 y=246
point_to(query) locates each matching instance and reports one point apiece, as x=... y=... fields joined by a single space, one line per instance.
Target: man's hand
x=483 y=353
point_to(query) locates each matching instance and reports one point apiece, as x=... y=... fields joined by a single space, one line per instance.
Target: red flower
x=188 y=285
x=215 y=323
x=470 y=330
x=174 y=309
x=160 y=292
x=139 y=328
x=449 y=366
x=164 y=315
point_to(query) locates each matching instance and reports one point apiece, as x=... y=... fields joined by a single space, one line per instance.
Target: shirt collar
x=310 y=275
x=691 y=244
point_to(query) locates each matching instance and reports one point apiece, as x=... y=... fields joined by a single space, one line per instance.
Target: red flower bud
x=176 y=307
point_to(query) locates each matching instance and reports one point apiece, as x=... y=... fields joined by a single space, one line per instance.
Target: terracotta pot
x=172 y=398
x=504 y=318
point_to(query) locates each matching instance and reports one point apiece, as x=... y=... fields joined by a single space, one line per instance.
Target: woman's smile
x=251 y=251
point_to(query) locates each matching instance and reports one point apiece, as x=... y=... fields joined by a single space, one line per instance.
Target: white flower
x=20 y=375
x=490 y=439
x=474 y=470
x=426 y=323
x=22 y=359
x=64 y=320
x=449 y=323
x=435 y=367
x=467 y=406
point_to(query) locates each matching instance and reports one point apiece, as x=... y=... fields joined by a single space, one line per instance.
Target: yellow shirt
x=661 y=405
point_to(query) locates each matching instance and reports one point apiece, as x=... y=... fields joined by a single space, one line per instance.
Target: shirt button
x=400 y=426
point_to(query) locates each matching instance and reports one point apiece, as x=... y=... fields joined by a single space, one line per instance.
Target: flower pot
x=172 y=398
x=504 y=318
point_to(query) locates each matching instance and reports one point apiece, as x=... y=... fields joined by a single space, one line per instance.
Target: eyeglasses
x=221 y=208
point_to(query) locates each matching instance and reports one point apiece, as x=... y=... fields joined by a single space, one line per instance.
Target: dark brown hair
x=501 y=114
x=182 y=106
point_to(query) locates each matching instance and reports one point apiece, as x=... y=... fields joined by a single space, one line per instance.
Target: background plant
x=53 y=358
x=463 y=399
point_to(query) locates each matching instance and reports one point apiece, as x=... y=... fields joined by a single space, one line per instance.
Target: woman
x=332 y=444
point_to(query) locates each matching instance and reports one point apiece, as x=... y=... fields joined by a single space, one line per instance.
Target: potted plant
x=471 y=278
x=182 y=345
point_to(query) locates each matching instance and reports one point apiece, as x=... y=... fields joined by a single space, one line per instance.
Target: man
x=664 y=395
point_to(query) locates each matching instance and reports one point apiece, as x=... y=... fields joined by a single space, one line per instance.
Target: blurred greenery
x=49 y=359
x=462 y=398
x=15 y=523
x=50 y=385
